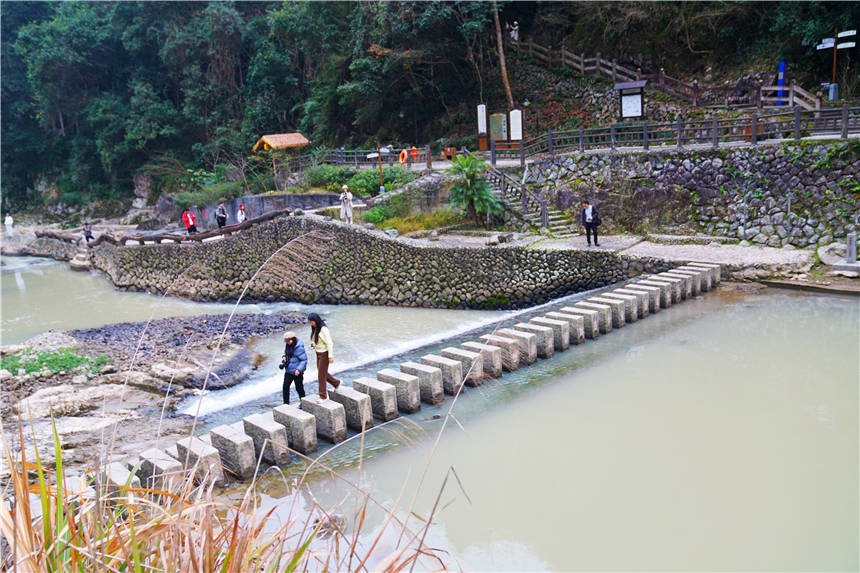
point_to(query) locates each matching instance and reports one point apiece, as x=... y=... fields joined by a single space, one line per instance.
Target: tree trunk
x=502 y=56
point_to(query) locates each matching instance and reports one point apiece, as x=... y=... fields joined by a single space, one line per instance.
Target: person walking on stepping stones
x=321 y=342
x=590 y=221
x=293 y=363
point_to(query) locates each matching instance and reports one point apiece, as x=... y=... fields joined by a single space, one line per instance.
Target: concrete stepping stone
x=560 y=331
x=490 y=355
x=695 y=280
x=118 y=478
x=383 y=397
x=641 y=300
x=631 y=305
x=575 y=325
x=452 y=371
x=704 y=276
x=715 y=270
x=203 y=460
x=590 y=320
x=604 y=314
x=269 y=437
x=356 y=406
x=471 y=362
x=236 y=449
x=173 y=452
x=301 y=428
x=429 y=381
x=510 y=350
x=686 y=288
x=406 y=388
x=545 y=338
x=330 y=417
x=680 y=285
x=665 y=290
x=617 y=307
x=526 y=341
x=673 y=284
x=652 y=295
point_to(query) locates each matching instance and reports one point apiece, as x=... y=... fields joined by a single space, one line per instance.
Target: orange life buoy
x=403 y=157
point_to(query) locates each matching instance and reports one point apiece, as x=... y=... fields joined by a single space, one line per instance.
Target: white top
x=8 y=220
x=588 y=213
x=241 y=216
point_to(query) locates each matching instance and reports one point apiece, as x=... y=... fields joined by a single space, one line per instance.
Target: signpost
x=483 y=144
x=630 y=94
x=828 y=43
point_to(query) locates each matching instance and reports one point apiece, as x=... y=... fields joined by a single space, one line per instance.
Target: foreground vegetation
x=62 y=360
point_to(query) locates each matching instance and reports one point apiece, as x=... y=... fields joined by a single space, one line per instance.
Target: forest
x=95 y=92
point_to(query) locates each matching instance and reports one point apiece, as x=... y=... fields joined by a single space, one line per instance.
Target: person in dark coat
x=590 y=221
x=293 y=363
x=221 y=215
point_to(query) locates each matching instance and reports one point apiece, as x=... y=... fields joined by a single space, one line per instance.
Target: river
x=719 y=434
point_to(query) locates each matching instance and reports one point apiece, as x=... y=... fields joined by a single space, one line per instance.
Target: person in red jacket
x=190 y=221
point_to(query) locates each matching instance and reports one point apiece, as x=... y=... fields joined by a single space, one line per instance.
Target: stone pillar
x=545 y=337
x=406 y=387
x=575 y=325
x=471 y=362
x=560 y=331
x=270 y=438
x=617 y=309
x=641 y=300
x=330 y=416
x=236 y=449
x=695 y=280
x=685 y=287
x=704 y=277
x=301 y=428
x=452 y=372
x=674 y=285
x=356 y=406
x=652 y=295
x=604 y=314
x=631 y=305
x=510 y=350
x=491 y=357
x=715 y=270
x=158 y=470
x=118 y=480
x=203 y=460
x=429 y=381
x=526 y=341
x=383 y=397
x=664 y=288
x=590 y=320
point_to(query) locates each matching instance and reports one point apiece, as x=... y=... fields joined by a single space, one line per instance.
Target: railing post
x=791 y=93
x=679 y=126
x=757 y=97
x=695 y=92
x=844 y=134
x=581 y=139
x=582 y=63
x=797 y=123
x=638 y=74
x=549 y=142
x=614 y=70
x=788 y=221
x=715 y=133
x=429 y=158
x=754 y=128
x=544 y=214
x=522 y=153
x=662 y=78
x=523 y=202
x=493 y=152
x=597 y=64
x=612 y=136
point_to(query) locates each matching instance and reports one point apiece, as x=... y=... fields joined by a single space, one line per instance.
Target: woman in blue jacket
x=293 y=363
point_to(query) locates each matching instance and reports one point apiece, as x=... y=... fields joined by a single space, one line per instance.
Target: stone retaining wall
x=706 y=190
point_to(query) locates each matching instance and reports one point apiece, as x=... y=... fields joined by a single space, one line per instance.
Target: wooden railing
x=778 y=125
x=512 y=191
x=356 y=158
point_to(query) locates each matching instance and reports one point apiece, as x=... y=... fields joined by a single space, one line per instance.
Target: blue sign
x=780 y=81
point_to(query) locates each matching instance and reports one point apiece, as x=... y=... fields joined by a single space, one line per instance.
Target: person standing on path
x=322 y=343
x=221 y=215
x=346 y=205
x=240 y=214
x=293 y=363
x=8 y=222
x=590 y=221
x=190 y=221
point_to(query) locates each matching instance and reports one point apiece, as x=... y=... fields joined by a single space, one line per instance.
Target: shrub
x=422 y=221
x=62 y=359
x=366 y=182
x=330 y=177
x=378 y=214
x=210 y=194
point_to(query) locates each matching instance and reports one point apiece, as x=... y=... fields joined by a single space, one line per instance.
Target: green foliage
x=329 y=177
x=377 y=214
x=422 y=221
x=472 y=192
x=366 y=182
x=64 y=359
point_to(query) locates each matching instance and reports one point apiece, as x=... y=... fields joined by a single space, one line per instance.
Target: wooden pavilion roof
x=281 y=141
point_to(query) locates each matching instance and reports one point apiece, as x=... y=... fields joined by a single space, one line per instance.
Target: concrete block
x=704 y=277
x=575 y=325
x=687 y=288
x=356 y=406
x=604 y=314
x=544 y=337
x=173 y=452
x=641 y=300
x=383 y=397
x=452 y=371
x=631 y=305
x=471 y=362
x=617 y=311
x=510 y=350
x=204 y=462
x=490 y=355
x=429 y=381
x=269 y=437
x=675 y=286
x=301 y=428
x=560 y=331
x=330 y=416
x=526 y=341
x=118 y=479
x=651 y=293
x=406 y=388
x=715 y=269
x=695 y=279
x=159 y=470
x=236 y=449
x=680 y=285
x=665 y=291
x=590 y=320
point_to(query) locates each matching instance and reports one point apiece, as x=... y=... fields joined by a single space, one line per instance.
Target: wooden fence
x=355 y=158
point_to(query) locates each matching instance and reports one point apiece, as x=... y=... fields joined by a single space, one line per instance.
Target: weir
x=237 y=450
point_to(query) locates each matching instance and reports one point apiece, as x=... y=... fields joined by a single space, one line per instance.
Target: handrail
x=526 y=196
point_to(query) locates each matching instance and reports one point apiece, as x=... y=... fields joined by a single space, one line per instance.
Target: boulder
x=833 y=253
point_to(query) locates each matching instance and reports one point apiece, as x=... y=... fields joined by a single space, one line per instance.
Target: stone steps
x=279 y=436
x=81 y=261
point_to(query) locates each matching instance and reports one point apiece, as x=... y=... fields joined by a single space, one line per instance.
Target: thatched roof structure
x=281 y=141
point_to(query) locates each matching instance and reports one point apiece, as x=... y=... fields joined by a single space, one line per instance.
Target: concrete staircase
x=81 y=261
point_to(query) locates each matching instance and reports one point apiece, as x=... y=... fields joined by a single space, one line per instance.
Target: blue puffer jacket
x=297 y=358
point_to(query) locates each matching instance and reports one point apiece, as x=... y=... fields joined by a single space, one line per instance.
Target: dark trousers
x=192 y=229
x=589 y=229
x=289 y=378
x=221 y=221
x=323 y=376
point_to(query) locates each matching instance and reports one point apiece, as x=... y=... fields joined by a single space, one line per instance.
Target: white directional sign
x=516 y=125
x=846 y=33
x=845 y=45
x=482 y=119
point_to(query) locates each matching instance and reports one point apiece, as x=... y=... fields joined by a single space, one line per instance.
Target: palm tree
x=472 y=192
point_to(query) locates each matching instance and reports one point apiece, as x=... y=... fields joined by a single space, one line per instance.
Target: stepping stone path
x=272 y=436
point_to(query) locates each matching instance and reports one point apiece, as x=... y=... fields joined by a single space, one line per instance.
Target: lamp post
x=826 y=44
